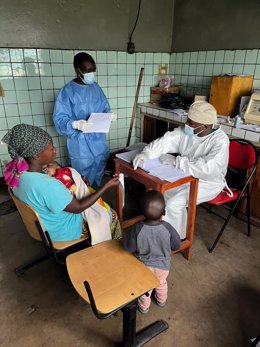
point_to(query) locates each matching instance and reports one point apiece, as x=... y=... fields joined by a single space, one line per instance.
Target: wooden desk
x=155 y=183
x=116 y=279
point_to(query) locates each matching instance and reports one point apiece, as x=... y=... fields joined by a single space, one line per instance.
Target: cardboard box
x=226 y=93
x=157 y=92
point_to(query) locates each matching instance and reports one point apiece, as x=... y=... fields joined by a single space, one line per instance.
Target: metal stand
x=130 y=337
x=20 y=270
x=133 y=339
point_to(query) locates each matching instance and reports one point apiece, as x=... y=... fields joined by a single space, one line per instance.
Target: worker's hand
x=140 y=159
x=82 y=125
x=168 y=159
x=113 y=117
x=112 y=183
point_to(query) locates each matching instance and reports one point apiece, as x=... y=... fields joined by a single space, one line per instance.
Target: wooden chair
x=36 y=230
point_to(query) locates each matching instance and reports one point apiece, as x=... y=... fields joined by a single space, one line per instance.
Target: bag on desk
x=172 y=101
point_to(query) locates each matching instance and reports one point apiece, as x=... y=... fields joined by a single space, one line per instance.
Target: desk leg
x=130 y=338
x=129 y=325
x=119 y=198
x=191 y=216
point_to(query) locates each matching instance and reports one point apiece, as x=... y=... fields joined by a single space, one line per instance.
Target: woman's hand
x=112 y=183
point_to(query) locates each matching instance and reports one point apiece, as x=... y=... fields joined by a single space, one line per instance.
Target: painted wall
x=193 y=70
x=216 y=24
x=91 y=24
x=32 y=78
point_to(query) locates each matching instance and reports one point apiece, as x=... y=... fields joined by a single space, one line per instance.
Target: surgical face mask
x=88 y=78
x=190 y=130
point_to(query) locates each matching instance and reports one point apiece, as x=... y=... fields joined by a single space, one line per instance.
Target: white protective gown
x=205 y=158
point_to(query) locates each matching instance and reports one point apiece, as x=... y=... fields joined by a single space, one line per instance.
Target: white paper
x=127 y=156
x=155 y=168
x=122 y=187
x=168 y=173
x=100 y=123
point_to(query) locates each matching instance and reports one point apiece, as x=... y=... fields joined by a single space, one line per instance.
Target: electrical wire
x=137 y=17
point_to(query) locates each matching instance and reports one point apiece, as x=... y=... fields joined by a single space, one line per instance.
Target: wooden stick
x=135 y=106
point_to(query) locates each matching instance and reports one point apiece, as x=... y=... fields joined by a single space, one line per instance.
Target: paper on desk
x=165 y=172
x=100 y=122
x=168 y=173
x=127 y=156
x=122 y=187
x=155 y=168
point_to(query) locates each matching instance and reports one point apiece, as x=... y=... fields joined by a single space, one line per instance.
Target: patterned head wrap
x=23 y=141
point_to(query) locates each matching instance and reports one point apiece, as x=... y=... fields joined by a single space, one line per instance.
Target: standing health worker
x=76 y=101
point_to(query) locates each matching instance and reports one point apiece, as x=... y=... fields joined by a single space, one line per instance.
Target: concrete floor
x=214 y=300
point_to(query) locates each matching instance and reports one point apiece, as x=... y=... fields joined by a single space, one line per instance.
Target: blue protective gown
x=88 y=152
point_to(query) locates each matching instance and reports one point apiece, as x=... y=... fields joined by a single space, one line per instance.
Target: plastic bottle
x=237 y=121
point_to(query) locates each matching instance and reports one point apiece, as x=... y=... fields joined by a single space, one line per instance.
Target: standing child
x=151 y=241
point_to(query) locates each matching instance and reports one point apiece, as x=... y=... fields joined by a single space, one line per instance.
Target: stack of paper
x=155 y=168
x=128 y=156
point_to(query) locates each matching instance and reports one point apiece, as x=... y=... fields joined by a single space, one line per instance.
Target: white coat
x=205 y=158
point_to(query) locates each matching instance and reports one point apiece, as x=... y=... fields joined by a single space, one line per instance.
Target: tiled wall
x=31 y=79
x=193 y=70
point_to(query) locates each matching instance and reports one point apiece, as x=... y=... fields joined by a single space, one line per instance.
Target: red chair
x=242 y=164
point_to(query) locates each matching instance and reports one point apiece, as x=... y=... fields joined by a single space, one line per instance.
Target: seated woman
x=31 y=149
x=99 y=216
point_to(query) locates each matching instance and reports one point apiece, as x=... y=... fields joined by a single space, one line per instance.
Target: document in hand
x=155 y=168
x=100 y=122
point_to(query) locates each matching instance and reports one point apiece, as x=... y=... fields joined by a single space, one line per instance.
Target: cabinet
x=226 y=92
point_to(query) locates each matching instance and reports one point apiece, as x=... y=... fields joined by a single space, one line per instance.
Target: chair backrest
x=242 y=155
x=29 y=217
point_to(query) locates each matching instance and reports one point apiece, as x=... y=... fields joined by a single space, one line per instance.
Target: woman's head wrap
x=23 y=141
x=26 y=140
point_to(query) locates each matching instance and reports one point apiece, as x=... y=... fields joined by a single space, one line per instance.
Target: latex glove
x=113 y=117
x=140 y=158
x=168 y=159
x=82 y=125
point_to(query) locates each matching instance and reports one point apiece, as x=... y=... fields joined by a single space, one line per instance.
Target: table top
x=145 y=178
x=115 y=276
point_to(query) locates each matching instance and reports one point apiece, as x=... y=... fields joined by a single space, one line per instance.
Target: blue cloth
x=49 y=197
x=88 y=152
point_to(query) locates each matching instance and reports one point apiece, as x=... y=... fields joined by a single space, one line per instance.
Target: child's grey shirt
x=152 y=244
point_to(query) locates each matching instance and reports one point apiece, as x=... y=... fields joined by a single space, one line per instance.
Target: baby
x=62 y=174
x=151 y=241
x=101 y=219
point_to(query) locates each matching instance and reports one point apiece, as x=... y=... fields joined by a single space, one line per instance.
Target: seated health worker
x=76 y=101
x=31 y=149
x=203 y=150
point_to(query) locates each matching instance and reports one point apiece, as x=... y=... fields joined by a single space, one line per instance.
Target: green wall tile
x=219 y=57
x=201 y=57
x=229 y=57
x=210 y=57
x=251 y=56
x=193 y=57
